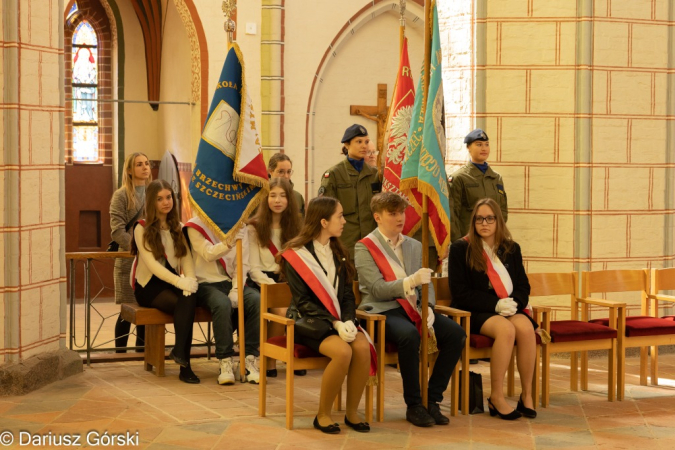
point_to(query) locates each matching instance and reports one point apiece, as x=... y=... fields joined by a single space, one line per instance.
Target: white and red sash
x=497 y=274
x=197 y=224
x=391 y=270
x=141 y=222
x=311 y=272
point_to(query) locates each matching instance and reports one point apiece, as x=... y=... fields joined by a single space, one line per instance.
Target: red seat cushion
x=644 y=326
x=576 y=330
x=669 y=317
x=299 y=351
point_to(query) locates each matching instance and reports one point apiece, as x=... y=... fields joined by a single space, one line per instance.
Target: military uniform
x=468 y=185
x=354 y=190
x=300 y=201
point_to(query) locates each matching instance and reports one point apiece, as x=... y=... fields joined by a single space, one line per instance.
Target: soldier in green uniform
x=474 y=181
x=353 y=183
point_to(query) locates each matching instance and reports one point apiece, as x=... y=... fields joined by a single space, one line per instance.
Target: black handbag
x=113 y=245
x=475 y=393
x=312 y=327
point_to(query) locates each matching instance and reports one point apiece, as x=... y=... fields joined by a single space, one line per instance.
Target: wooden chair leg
x=262 y=389
x=290 y=379
x=643 y=366
x=611 y=372
x=369 y=403
x=654 y=350
x=545 y=376
x=584 y=371
x=454 y=391
x=465 y=383
x=574 y=371
x=511 y=379
x=155 y=352
x=536 y=377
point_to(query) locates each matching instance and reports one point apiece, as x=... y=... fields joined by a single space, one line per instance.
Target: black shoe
x=513 y=415
x=188 y=376
x=361 y=427
x=434 y=410
x=527 y=412
x=333 y=428
x=178 y=360
x=419 y=416
x=473 y=361
x=272 y=373
x=300 y=373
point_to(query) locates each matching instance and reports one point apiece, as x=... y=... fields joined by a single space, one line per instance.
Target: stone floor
x=167 y=414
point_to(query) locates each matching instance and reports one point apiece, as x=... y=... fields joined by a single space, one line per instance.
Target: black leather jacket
x=306 y=303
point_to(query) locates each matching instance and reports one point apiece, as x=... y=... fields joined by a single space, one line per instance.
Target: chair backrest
x=275 y=296
x=543 y=284
x=662 y=280
x=613 y=281
x=357 y=293
x=442 y=290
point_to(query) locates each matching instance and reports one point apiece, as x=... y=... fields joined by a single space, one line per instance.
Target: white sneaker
x=252 y=373
x=226 y=374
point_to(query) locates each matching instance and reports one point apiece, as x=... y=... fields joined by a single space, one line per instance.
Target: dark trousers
x=400 y=330
x=122 y=329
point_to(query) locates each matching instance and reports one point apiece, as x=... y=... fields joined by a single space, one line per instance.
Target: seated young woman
x=487 y=278
x=320 y=275
x=163 y=273
x=275 y=223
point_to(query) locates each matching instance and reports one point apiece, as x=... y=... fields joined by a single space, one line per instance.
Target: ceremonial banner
x=230 y=177
x=398 y=125
x=424 y=165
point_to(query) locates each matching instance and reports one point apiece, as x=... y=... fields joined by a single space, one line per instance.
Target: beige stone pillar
x=32 y=235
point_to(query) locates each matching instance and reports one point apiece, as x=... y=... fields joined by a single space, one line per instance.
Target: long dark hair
x=503 y=240
x=321 y=208
x=290 y=218
x=152 y=240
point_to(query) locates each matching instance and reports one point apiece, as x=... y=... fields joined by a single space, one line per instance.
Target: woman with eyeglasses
x=353 y=183
x=488 y=279
x=281 y=166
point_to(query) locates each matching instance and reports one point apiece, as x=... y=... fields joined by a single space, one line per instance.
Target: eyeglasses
x=373 y=153
x=489 y=219
x=281 y=173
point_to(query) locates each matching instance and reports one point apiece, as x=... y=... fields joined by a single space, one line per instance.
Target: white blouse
x=325 y=255
x=148 y=266
x=261 y=258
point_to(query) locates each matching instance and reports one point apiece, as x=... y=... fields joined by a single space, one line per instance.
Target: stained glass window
x=85 y=93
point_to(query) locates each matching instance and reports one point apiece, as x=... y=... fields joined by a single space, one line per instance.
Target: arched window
x=85 y=93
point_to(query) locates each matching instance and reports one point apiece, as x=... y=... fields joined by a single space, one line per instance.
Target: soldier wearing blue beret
x=353 y=183
x=475 y=181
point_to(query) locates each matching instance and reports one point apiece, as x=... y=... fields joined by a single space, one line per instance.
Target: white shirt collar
x=390 y=242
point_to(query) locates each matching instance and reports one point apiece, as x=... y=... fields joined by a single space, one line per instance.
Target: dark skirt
x=252 y=284
x=146 y=294
x=478 y=319
x=313 y=343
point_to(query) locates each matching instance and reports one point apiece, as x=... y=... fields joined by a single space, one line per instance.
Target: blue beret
x=476 y=135
x=355 y=130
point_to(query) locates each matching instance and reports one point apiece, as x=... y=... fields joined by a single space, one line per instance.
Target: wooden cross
x=377 y=114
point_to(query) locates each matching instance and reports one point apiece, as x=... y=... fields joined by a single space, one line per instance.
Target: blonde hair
x=128 y=179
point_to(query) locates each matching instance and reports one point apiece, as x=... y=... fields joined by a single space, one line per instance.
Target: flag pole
x=424 y=378
x=401 y=28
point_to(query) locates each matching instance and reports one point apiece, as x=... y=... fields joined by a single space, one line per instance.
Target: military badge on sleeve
x=500 y=189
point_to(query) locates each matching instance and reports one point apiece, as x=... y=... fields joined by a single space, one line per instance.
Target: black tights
x=122 y=329
x=172 y=301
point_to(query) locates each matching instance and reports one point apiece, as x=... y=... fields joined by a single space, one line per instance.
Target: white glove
x=234 y=298
x=343 y=332
x=430 y=318
x=506 y=307
x=422 y=276
x=187 y=284
x=351 y=327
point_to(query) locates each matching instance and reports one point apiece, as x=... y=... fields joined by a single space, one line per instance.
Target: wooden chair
x=476 y=346
x=646 y=330
x=660 y=280
x=283 y=348
x=577 y=334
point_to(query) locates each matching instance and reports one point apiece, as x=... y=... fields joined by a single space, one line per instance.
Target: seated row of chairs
x=578 y=335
